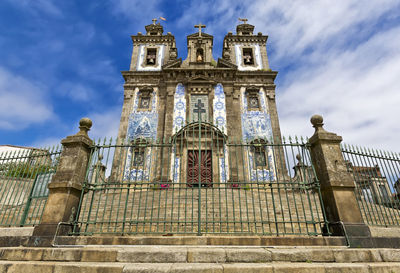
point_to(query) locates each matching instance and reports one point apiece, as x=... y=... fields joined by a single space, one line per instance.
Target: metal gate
x=200 y=182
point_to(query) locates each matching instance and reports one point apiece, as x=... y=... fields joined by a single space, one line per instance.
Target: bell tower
x=200 y=47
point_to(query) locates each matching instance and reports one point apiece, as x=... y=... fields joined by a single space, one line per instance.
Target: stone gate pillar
x=66 y=185
x=337 y=184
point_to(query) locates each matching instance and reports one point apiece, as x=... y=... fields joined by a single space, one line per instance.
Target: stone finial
x=84 y=125
x=317 y=122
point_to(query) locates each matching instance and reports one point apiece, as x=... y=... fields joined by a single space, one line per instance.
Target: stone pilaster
x=282 y=172
x=234 y=128
x=337 y=185
x=163 y=161
x=66 y=185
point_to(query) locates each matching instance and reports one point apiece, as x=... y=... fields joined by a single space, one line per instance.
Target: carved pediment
x=173 y=64
x=225 y=64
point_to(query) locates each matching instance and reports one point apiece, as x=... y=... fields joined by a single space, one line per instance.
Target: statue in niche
x=199 y=55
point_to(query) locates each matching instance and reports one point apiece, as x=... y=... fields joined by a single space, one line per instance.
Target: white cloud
x=105 y=124
x=22 y=103
x=339 y=59
x=140 y=12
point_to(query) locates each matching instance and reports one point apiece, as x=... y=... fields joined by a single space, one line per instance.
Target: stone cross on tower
x=199 y=26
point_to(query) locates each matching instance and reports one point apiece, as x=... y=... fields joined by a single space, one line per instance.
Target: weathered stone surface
x=16 y=231
x=346 y=268
x=62 y=254
x=103 y=255
x=247 y=268
x=147 y=268
x=296 y=268
x=206 y=255
x=197 y=268
x=384 y=267
x=155 y=254
x=241 y=255
x=390 y=255
x=356 y=255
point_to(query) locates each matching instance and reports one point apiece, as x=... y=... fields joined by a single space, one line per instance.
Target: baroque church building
x=201 y=107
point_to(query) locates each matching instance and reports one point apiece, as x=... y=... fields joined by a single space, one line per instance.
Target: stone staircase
x=189 y=258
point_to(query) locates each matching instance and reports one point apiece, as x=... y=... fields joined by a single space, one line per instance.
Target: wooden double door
x=199 y=170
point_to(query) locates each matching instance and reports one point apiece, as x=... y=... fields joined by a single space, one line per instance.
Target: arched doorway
x=199 y=147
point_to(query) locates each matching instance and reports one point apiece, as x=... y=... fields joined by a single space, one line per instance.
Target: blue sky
x=61 y=60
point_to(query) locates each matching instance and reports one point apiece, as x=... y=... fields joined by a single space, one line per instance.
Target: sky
x=61 y=61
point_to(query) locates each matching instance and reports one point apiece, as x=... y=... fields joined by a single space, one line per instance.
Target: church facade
x=201 y=107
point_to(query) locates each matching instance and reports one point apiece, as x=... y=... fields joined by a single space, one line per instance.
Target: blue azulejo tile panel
x=219 y=108
x=262 y=175
x=175 y=168
x=133 y=174
x=143 y=124
x=179 y=115
x=256 y=125
x=239 y=58
x=141 y=62
x=224 y=167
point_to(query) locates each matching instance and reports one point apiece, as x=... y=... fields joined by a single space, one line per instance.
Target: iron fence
x=199 y=182
x=376 y=175
x=24 y=175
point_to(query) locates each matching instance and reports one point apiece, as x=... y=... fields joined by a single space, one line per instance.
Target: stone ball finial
x=100 y=157
x=298 y=157
x=317 y=121
x=84 y=125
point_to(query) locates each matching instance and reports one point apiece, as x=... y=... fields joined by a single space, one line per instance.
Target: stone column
x=337 y=184
x=66 y=185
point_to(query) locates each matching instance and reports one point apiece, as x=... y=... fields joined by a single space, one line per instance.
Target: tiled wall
x=219 y=107
x=257 y=125
x=142 y=124
x=179 y=115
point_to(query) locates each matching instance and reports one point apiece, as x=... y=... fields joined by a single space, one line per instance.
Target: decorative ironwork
x=235 y=197
x=199 y=167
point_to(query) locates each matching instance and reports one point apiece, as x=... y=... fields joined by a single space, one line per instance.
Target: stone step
x=194 y=254
x=89 y=267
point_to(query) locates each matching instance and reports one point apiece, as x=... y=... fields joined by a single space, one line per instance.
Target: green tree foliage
x=23 y=169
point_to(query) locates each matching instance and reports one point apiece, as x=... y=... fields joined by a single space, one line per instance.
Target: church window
x=248 y=58
x=151 y=56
